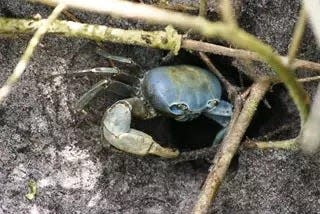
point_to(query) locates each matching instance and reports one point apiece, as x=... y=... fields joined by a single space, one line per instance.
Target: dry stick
x=168 y=39
x=229 y=146
x=280 y=129
x=242 y=54
x=189 y=8
x=309 y=79
x=204 y=153
x=232 y=90
x=290 y=144
x=22 y=64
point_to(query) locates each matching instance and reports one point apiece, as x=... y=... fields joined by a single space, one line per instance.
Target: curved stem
x=297 y=35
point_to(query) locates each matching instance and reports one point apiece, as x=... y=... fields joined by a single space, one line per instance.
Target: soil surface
x=42 y=139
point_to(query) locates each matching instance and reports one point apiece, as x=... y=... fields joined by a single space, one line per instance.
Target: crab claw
x=116 y=131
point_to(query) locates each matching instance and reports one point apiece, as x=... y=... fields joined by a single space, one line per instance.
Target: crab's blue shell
x=182 y=92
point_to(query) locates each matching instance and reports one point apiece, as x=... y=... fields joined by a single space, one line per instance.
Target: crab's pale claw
x=116 y=131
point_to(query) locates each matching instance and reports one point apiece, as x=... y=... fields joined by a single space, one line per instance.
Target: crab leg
x=105 y=54
x=116 y=87
x=116 y=130
x=126 y=60
x=99 y=70
x=89 y=95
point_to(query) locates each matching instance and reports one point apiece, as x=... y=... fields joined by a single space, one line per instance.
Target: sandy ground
x=42 y=139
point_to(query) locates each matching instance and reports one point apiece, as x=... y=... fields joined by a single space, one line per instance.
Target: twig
x=187 y=8
x=242 y=54
x=301 y=80
x=66 y=13
x=24 y=60
x=304 y=64
x=277 y=131
x=309 y=79
x=204 y=153
x=220 y=50
x=232 y=90
x=168 y=39
x=297 y=35
x=235 y=35
x=290 y=144
x=229 y=146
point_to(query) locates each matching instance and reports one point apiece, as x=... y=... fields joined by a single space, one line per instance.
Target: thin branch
x=278 y=130
x=309 y=79
x=228 y=148
x=304 y=64
x=220 y=50
x=232 y=90
x=203 y=153
x=290 y=144
x=236 y=36
x=242 y=54
x=168 y=39
x=297 y=35
x=175 y=6
x=24 y=60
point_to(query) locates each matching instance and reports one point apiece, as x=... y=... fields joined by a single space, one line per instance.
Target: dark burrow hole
x=185 y=136
x=277 y=122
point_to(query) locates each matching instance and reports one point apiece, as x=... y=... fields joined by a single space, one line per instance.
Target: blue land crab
x=182 y=92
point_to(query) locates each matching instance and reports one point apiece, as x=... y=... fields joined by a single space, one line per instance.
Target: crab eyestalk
x=221 y=113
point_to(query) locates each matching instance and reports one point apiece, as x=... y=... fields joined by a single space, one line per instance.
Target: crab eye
x=179 y=108
x=212 y=103
x=183 y=106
